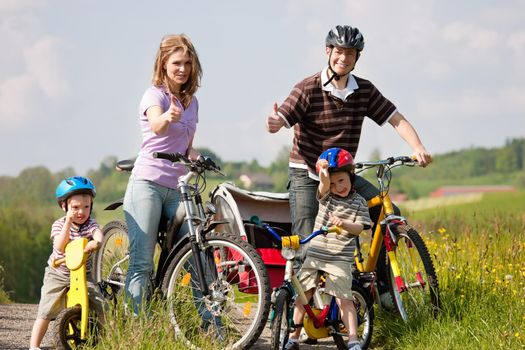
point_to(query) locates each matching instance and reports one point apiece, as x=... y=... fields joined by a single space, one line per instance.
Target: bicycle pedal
x=366 y=277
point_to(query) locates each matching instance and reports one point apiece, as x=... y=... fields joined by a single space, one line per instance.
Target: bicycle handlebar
x=323 y=230
x=202 y=163
x=388 y=161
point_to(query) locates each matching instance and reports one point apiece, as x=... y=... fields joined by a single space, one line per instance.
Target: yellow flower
x=442 y=230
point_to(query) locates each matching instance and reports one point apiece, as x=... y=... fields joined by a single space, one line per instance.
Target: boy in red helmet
x=75 y=196
x=333 y=253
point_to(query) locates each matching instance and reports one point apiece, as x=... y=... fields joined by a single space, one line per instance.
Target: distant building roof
x=456 y=190
x=256 y=180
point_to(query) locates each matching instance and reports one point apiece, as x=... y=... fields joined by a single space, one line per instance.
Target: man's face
x=340 y=183
x=342 y=60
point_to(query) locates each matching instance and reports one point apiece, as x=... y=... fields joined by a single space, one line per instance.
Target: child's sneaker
x=354 y=345
x=293 y=344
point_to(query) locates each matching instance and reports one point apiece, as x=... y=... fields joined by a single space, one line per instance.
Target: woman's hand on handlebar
x=193 y=154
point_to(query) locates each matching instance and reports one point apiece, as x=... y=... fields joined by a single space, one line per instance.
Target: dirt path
x=16 y=321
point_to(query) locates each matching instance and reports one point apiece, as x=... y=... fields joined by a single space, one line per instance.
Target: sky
x=72 y=73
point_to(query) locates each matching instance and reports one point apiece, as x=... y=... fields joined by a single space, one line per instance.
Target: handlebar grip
x=335 y=229
x=174 y=157
x=58 y=262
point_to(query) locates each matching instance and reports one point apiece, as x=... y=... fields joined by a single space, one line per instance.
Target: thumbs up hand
x=174 y=112
x=274 y=122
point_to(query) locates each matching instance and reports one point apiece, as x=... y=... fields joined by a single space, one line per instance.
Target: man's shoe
x=386 y=301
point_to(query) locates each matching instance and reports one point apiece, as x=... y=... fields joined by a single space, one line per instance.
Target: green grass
x=478 y=250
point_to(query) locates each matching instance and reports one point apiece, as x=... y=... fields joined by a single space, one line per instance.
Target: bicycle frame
x=78 y=293
x=329 y=312
x=194 y=214
x=382 y=231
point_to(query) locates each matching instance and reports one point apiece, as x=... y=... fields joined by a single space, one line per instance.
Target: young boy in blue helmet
x=75 y=196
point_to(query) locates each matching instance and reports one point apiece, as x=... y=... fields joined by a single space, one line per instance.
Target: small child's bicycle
x=76 y=322
x=319 y=322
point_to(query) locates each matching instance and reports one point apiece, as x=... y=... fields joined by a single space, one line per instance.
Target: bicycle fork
x=390 y=246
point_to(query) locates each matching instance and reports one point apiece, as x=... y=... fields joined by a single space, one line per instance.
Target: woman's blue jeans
x=145 y=203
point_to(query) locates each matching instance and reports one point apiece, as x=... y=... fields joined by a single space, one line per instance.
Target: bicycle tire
x=235 y=313
x=415 y=302
x=66 y=329
x=114 y=248
x=365 y=320
x=280 y=329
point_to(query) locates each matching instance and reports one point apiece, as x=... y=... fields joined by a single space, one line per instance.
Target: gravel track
x=16 y=321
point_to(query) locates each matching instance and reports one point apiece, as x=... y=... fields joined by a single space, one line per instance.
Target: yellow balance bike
x=73 y=325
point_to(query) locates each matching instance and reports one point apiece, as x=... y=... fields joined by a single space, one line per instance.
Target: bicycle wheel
x=234 y=313
x=111 y=260
x=66 y=329
x=281 y=320
x=419 y=296
x=365 y=320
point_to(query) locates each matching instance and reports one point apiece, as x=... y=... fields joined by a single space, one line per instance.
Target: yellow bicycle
x=412 y=279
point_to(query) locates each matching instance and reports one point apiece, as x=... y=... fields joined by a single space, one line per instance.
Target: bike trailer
x=238 y=206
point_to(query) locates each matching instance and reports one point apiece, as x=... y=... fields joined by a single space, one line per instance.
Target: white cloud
x=31 y=65
x=44 y=62
x=16 y=107
x=14 y=6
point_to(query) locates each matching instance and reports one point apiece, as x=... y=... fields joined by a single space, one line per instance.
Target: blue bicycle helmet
x=74 y=185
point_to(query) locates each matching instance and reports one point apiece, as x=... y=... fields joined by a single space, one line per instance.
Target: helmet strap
x=334 y=74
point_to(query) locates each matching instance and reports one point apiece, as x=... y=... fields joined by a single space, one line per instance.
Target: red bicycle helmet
x=338 y=160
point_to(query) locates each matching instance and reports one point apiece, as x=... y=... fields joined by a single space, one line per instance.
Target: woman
x=168 y=120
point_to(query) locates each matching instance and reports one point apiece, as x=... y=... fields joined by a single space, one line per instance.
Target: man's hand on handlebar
x=423 y=157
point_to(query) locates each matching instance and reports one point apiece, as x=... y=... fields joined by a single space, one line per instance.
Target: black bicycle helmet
x=345 y=36
x=74 y=185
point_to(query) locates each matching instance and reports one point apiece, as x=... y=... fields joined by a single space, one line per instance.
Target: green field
x=478 y=247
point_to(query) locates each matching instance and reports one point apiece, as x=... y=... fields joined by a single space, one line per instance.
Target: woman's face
x=342 y=60
x=178 y=67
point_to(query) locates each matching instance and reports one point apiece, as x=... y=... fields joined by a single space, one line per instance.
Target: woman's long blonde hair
x=168 y=45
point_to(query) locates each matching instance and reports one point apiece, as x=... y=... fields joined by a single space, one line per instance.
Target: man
x=327 y=110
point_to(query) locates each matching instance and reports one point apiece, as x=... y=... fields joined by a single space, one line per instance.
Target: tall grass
x=479 y=254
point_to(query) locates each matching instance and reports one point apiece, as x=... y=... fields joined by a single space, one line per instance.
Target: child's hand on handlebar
x=336 y=220
x=92 y=246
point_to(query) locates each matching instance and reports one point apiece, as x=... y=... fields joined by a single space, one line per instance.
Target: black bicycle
x=215 y=284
